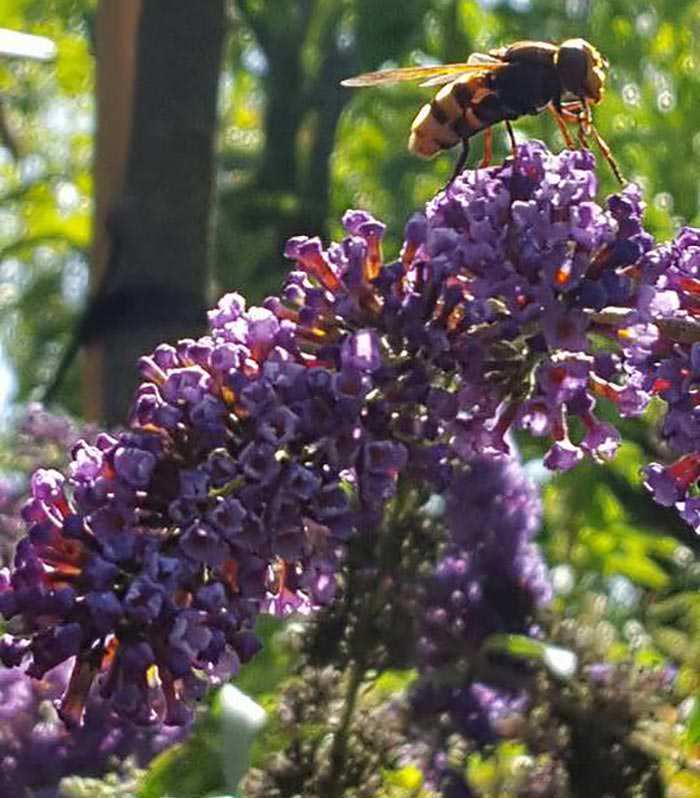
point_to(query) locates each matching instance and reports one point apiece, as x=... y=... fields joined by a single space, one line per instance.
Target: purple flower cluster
x=664 y=348
x=493 y=575
x=491 y=580
x=255 y=452
x=249 y=460
x=527 y=259
x=492 y=317
x=36 y=749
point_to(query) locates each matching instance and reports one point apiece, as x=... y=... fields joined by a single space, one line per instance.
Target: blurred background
x=168 y=149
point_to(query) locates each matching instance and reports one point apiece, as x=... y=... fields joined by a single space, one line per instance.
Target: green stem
x=339 y=751
x=391 y=531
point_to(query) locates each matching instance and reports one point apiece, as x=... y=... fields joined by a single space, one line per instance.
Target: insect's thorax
x=525 y=88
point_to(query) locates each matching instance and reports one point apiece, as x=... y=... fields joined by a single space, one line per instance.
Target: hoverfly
x=523 y=78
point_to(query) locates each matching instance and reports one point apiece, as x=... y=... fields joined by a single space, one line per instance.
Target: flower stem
x=339 y=751
x=373 y=596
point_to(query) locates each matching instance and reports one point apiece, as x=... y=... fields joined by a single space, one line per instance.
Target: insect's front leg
x=511 y=136
x=584 y=116
x=558 y=114
x=587 y=115
x=607 y=154
x=574 y=111
x=461 y=161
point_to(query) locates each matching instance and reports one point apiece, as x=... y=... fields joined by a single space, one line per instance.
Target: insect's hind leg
x=461 y=161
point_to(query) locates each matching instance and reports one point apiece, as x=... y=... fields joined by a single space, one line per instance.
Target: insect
x=523 y=78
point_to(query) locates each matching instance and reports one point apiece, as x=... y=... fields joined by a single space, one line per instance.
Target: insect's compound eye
x=581 y=69
x=573 y=66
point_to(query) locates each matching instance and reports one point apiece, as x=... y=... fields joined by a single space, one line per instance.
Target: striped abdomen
x=459 y=110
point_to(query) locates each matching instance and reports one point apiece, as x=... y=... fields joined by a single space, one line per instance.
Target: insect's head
x=581 y=69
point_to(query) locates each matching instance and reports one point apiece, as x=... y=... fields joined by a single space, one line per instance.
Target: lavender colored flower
x=493 y=576
x=36 y=749
x=247 y=465
x=492 y=507
x=663 y=353
x=39 y=438
x=536 y=258
x=500 y=291
x=491 y=580
x=254 y=453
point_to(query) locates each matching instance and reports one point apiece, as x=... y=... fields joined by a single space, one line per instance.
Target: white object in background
x=24 y=45
x=560 y=661
x=241 y=720
x=563 y=579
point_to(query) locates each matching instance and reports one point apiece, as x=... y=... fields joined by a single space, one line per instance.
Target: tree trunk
x=157 y=279
x=116 y=27
x=283 y=115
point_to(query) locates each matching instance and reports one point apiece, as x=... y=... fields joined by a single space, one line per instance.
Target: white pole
x=24 y=45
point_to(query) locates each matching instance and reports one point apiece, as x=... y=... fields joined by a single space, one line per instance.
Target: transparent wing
x=482 y=61
x=483 y=58
x=440 y=80
x=442 y=73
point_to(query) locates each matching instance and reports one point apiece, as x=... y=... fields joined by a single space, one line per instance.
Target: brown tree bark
x=116 y=27
x=155 y=288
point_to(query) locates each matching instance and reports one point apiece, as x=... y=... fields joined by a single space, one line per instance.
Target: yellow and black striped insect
x=524 y=78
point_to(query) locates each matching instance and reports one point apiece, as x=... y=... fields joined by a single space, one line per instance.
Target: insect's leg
x=607 y=154
x=575 y=112
x=562 y=127
x=511 y=136
x=570 y=109
x=583 y=141
x=488 y=148
x=460 y=161
x=584 y=115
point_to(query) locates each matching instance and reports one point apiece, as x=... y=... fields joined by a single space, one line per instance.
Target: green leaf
x=518 y=646
x=187 y=770
x=406 y=778
x=692 y=728
x=639 y=569
x=392 y=682
x=272 y=664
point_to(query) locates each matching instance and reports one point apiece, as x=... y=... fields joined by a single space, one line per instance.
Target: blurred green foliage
x=590 y=527
x=45 y=186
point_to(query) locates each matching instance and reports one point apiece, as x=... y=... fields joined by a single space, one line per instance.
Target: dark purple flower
x=491 y=581
x=36 y=750
x=134 y=466
x=256 y=451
